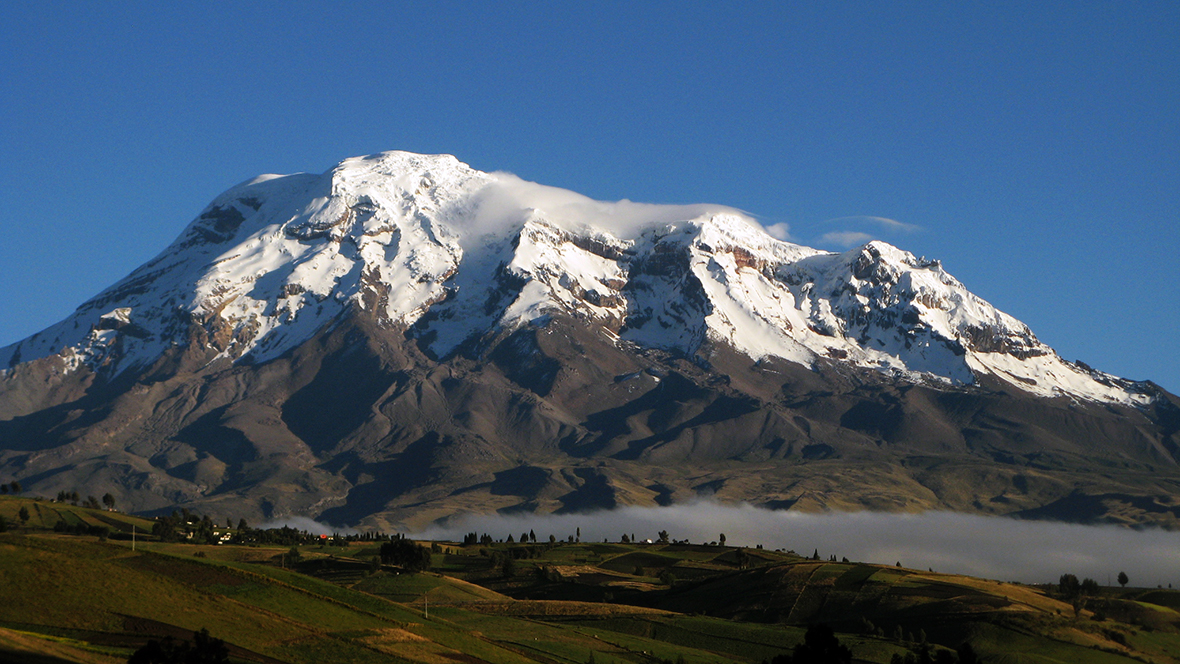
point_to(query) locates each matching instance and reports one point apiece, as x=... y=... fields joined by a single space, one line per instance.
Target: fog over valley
x=991 y=547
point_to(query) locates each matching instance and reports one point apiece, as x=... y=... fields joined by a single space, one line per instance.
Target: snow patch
x=428 y=243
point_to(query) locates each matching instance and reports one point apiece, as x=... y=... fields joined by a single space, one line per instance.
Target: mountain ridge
x=404 y=338
x=394 y=229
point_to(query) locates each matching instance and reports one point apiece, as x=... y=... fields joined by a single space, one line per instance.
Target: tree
x=1123 y=579
x=165 y=529
x=405 y=554
x=743 y=559
x=208 y=649
x=1074 y=592
x=721 y=539
x=624 y=539
x=663 y=535
x=242 y=525
x=508 y=569
x=16 y=487
x=532 y=536
x=1068 y=586
x=109 y=501
x=23 y=514
x=820 y=646
x=967 y=654
x=203 y=650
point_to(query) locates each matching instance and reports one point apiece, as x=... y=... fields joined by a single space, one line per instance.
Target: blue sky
x=1033 y=147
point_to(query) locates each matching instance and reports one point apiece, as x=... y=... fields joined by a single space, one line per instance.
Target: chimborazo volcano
x=403 y=339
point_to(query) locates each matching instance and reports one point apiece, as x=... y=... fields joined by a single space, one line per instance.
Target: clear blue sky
x=1034 y=146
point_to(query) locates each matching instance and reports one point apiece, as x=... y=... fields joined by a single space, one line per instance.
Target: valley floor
x=96 y=599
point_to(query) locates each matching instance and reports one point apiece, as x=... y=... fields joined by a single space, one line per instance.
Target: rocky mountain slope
x=404 y=338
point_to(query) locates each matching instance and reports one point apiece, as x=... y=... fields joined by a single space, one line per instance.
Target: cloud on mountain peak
x=846 y=239
x=859 y=229
x=882 y=222
x=509 y=200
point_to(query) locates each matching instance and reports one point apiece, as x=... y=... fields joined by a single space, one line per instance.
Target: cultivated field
x=92 y=598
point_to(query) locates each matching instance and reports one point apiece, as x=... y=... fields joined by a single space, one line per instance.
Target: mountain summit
x=426 y=242
x=404 y=338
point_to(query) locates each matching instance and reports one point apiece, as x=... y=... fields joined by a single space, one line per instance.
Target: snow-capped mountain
x=430 y=244
x=404 y=338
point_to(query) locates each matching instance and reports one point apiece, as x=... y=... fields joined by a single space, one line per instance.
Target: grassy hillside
x=82 y=598
x=878 y=609
x=44 y=515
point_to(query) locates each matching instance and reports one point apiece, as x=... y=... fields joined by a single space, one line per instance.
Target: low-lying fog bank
x=989 y=547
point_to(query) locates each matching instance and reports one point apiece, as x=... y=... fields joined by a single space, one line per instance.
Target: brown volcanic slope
x=362 y=426
x=281 y=358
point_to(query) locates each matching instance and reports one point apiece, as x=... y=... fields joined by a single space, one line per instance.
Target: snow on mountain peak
x=277 y=258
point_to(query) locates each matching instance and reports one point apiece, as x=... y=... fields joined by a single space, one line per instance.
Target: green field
x=88 y=599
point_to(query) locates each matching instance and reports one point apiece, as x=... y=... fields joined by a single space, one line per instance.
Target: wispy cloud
x=779 y=231
x=883 y=222
x=859 y=229
x=846 y=239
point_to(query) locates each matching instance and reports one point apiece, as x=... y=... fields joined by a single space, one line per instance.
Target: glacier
x=448 y=253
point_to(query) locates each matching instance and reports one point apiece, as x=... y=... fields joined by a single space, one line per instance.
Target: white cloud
x=989 y=547
x=883 y=222
x=780 y=231
x=846 y=239
x=508 y=201
x=310 y=525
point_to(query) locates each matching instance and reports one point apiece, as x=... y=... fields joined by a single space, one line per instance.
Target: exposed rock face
x=404 y=338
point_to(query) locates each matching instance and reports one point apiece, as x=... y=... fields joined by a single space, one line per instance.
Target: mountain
x=405 y=338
